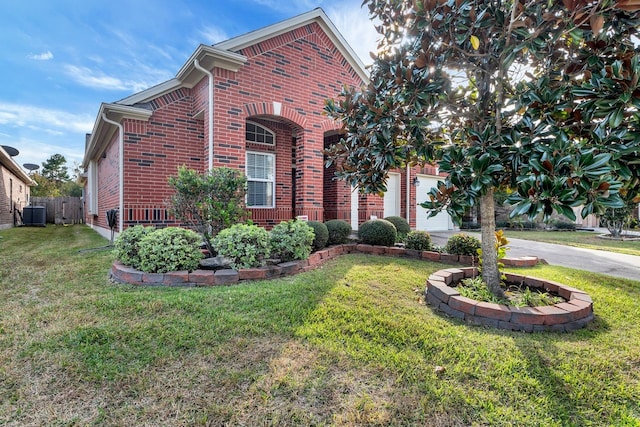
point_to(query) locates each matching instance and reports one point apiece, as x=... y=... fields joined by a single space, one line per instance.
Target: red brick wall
x=337 y=194
x=154 y=150
x=299 y=70
x=107 y=185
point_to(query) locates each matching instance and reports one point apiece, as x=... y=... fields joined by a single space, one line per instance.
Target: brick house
x=15 y=187
x=254 y=103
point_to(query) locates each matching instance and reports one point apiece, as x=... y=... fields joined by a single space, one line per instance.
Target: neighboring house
x=253 y=103
x=14 y=190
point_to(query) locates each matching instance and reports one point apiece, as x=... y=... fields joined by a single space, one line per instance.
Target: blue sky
x=60 y=59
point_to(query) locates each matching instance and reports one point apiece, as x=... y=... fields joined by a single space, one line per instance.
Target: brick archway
x=275 y=109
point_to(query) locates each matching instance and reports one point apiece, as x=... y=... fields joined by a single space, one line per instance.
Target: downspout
x=120 y=170
x=196 y=63
x=409 y=194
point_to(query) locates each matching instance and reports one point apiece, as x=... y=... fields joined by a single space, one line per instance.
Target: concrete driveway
x=611 y=263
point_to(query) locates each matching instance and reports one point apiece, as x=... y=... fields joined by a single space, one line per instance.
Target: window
x=259 y=134
x=260 y=180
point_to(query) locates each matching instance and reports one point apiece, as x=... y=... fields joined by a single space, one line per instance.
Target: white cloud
x=45 y=56
x=87 y=77
x=49 y=120
x=95 y=79
x=33 y=151
x=212 y=35
x=355 y=26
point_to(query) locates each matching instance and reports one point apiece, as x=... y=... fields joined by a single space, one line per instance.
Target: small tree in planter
x=209 y=202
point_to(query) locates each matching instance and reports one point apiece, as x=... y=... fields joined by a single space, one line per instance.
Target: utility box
x=34 y=215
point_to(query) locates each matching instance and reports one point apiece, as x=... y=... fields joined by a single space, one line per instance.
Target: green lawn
x=581 y=239
x=351 y=343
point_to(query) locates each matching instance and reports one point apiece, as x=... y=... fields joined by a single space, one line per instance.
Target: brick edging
x=562 y=317
x=124 y=274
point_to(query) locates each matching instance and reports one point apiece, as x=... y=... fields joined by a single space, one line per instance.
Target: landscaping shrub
x=209 y=202
x=378 y=232
x=418 y=240
x=170 y=249
x=246 y=245
x=462 y=244
x=339 y=231
x=291 y=240
x=502 y=224
x=469 y=225
x=321 y=235
x=128 y=245
x=563 y=225
x=402 y=226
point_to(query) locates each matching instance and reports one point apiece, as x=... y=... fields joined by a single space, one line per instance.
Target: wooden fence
x=61 y=210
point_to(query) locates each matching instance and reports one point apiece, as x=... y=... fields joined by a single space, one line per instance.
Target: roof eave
x=151 y=93
x=7 y=161
x=103 y=130
x=316 y=15
x=209 y=57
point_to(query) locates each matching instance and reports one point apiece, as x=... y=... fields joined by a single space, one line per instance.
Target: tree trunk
x=490 y=272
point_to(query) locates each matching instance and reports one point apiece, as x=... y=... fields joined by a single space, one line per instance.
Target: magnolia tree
x=538 y=96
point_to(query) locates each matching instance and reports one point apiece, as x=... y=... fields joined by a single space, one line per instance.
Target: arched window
x=259 y=134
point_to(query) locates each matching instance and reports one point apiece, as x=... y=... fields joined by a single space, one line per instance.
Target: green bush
x=402 y=226
x=462 y=244
x=563 y=225
x=502 y=224
x=170 y=249
x=378 y=232
x=418 y=240
x=321 y=234
x=469 y=225
x=339 y=231
x=128 y=245
x=209 y=202
x=291 y=240
x=246 y=245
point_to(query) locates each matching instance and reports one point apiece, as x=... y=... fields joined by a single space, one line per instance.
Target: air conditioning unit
x=34 y=215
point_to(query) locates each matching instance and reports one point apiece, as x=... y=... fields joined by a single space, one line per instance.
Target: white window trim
x=272 y=181
x=273 y=134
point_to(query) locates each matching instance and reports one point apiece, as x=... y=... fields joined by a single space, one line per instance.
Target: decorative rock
x=215 y=263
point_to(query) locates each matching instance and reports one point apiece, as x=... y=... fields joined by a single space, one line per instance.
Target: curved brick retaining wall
x=565 y=316
x=570 y=315
x=123 y=274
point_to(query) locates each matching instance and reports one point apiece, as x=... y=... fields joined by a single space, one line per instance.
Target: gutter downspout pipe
x=196 y=63
x=120 y=170
x=409 y=194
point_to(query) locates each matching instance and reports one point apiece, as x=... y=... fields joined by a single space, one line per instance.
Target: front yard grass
x=580 y=239
x=351 y=343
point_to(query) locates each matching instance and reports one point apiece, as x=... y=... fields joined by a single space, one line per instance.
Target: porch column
x=310 y=175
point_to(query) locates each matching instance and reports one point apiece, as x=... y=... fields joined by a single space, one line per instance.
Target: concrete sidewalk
x=611 y=263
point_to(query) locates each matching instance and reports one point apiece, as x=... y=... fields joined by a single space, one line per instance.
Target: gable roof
x=316 y=15
x=222 y=55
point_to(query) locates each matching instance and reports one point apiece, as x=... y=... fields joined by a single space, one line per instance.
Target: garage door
x=440 y=222
x=392 y=196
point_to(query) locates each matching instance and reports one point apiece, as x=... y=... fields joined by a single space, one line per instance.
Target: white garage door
x=440 y=222
x=392 y=196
